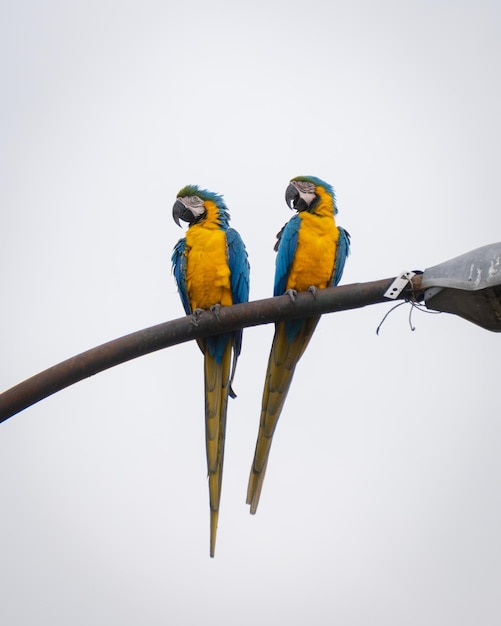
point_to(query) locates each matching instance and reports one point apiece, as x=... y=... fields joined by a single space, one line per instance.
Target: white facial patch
x=195 y=204
x=306 y=190
x=304 y=186
x=307 y=197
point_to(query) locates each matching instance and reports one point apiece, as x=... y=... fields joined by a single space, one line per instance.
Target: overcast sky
x=382 y=501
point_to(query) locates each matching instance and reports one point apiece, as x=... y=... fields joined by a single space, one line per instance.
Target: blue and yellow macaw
x=211 y=269
x=311 y=253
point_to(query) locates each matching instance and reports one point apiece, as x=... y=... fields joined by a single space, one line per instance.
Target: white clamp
x=402 y=281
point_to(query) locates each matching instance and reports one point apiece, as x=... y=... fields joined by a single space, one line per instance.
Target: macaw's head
x=305 y=192
x=192 y=205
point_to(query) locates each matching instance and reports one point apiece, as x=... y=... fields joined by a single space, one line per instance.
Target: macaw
x=311 y=254
x=211 y=269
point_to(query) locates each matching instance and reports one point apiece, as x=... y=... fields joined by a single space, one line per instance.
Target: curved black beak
x=291 y=196
x=179 y=211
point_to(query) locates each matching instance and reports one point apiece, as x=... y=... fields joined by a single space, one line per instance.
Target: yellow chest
x=315 y=256
x=207 y=271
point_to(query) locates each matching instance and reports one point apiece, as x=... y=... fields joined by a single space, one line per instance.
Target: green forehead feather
x=194 y=190
x=189 y=190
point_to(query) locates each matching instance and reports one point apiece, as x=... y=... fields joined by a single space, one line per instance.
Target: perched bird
x=211 y=269
x=311 y=253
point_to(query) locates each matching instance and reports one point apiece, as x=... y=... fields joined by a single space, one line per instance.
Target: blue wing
x=286 y=249
x=239 y=276
x=342 y=251
x=179 y=270
x=239 y=267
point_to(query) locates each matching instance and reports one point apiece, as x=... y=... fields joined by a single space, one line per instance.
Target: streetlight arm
x=139 y=343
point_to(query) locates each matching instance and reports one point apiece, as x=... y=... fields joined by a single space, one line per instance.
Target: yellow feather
x=313 y=262
x=284 y=357
x=216 y=404
x=207 y=270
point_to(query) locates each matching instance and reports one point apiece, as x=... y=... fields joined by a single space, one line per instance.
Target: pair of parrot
x=211 y=268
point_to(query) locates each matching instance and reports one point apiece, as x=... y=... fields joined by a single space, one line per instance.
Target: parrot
x=311 y=254
x=211 y=269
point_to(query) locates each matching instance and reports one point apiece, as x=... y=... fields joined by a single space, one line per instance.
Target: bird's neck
x=325 y=204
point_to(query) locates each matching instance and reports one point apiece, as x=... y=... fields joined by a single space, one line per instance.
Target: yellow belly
x=315 y=256
x=207 y=271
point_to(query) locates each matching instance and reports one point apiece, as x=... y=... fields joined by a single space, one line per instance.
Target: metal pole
x=184 y=329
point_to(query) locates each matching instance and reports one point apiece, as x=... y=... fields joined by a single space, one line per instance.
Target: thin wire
x=414 y=305
x=413 y=328
x=387 y=313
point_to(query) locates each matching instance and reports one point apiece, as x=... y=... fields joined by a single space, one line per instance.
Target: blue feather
x=287 y=244
x=239 y=276
x=179 y=271
x=342 y=252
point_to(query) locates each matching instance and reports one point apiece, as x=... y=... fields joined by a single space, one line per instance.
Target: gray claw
x=292 y=293
x=215 y=309
x=313 y=290
x=195 y=316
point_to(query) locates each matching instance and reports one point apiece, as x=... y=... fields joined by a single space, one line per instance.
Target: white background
x=382 y=501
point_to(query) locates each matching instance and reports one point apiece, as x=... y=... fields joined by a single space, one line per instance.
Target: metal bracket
x=402 y=281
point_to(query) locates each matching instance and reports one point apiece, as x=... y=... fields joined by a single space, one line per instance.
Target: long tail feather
x=282 y=362
x=216 y=404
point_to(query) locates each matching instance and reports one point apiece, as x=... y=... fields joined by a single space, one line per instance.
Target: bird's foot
x=195 y=316
x=215 y=309
x=313 y=290
x=292 y=293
